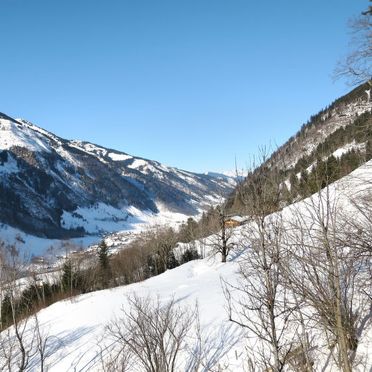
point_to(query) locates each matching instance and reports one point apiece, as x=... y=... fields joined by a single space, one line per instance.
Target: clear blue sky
x=191 y=83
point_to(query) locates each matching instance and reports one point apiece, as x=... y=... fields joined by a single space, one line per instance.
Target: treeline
x=313 y=171
x=318 y=119
x=325 y=167
x=359 y=132
x=150 y=254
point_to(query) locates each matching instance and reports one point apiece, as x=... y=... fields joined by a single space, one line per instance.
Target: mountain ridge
x=45 y=176
x=330 y=145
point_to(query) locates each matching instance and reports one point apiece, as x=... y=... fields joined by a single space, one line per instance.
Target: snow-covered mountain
x=340 y=114
x=56 y=188
x=330 y=145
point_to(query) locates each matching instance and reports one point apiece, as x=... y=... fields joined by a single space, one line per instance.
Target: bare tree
x=41 y=342
x=13 y=344
x=2 y=280
x=23 y=339
x=222 y=241
x=357 y=231
x=259 y=302
x=356 y=66
x=153 y=334
x=163 y=241
x=326 y=272
x=24 y=346
x=129 y=265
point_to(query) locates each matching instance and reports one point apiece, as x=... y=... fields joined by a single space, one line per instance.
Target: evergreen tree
x=6 y=311
x=303 y=184
x=285 y=195
x=333 y=169
x=369 y=150
x=189 y=255
x=293 y=180
x=104 y=263
x=172 y=261
x=103 y=256
x=154 y=265
x=67 y=280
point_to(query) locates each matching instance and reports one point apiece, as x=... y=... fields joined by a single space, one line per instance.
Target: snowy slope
x=77 y=327
x=332 y=119
x=15 y=133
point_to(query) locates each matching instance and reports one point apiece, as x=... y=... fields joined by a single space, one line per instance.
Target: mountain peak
x=58 y=188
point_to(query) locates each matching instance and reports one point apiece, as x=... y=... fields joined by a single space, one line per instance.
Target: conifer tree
x=369 y=150
x=103 y=255
x=293 y=180
x=104 y=263
x=67 y=280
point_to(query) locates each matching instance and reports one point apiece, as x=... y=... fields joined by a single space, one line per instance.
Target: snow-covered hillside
x=331 y=120
x=59 y=189
x=76 y=328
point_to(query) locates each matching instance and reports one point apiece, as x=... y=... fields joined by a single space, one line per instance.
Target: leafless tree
x=2 y=279
x=163 y=241
x=259 y=302
x=222 y=241
x=23 y=340
x=41 y=344
x=23 y=346
x=356 y=66
x=358 y=226
x=152 y=334
x=324 y=269
x=128 y=265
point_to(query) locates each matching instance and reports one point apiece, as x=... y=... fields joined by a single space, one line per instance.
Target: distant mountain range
x=50 y=186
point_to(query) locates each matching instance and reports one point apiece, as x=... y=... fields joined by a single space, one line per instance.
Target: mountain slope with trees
x=330 y=145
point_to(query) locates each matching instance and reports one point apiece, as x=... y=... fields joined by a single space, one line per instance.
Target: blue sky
x=192 y=83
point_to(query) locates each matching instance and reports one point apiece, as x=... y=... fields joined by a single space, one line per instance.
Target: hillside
x=292 y=230
x=76 y=329
x=56 y=188
x=329 y=146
